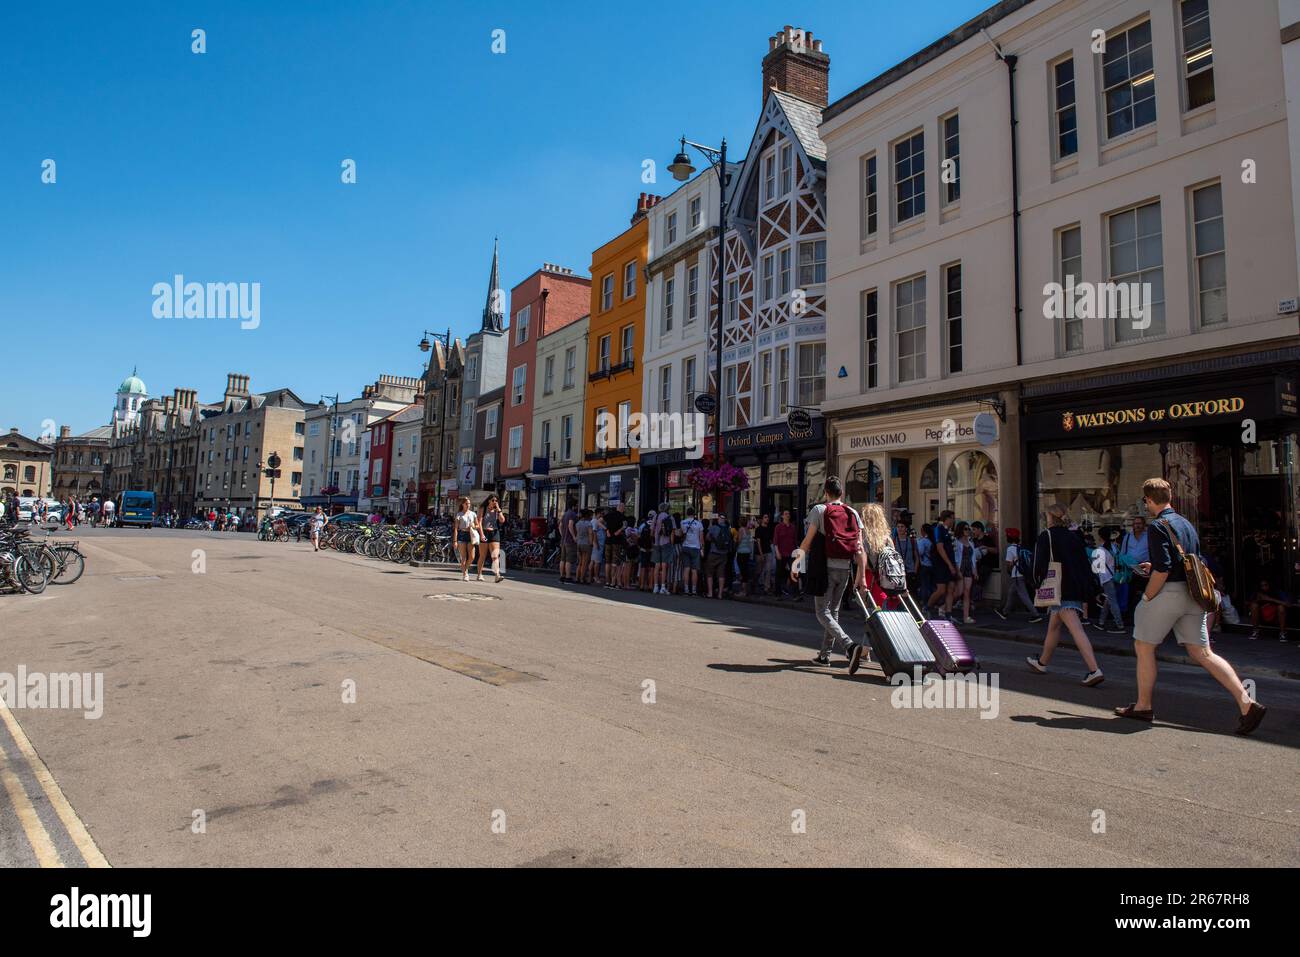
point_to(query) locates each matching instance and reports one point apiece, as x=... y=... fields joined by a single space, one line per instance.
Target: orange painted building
x=614 y=342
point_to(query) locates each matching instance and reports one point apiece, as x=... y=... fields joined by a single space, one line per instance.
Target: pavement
x=264 y=705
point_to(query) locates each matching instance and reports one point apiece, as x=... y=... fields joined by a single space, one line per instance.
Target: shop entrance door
x=783 y=499
x=1266 y=549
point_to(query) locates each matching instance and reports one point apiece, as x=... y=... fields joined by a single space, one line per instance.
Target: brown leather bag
x=1200 y=583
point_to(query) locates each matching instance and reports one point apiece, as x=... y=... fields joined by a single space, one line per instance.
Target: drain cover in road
x=139 y=578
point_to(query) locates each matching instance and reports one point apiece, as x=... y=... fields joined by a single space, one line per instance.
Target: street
x=528 y=724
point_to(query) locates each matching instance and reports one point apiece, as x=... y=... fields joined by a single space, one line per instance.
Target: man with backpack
x=1019 y=562
x=832 y=543
x=1170 y=602
x=715 y=565
x=692 y=545
x=664 y=529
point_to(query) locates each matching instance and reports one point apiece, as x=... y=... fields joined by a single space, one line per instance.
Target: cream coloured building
x=1152 y=153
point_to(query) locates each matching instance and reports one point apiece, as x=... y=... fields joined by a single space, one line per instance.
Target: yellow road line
x=81 y=838
x=37 y=836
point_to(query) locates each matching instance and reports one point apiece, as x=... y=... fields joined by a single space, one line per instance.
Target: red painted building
x=546 y=301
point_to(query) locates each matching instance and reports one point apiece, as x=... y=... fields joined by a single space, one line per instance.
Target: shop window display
x=972 y=491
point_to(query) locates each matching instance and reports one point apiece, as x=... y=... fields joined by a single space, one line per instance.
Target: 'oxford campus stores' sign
x=1218 y=405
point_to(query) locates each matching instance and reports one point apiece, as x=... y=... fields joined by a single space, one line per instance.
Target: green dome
x=132 y=385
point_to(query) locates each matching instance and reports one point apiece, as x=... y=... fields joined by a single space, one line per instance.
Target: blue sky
x=225 y=167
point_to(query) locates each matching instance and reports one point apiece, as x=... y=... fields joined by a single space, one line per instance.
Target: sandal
x=1131 y=711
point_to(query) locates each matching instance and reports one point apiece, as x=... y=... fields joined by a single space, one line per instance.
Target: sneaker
x=822 y=659
x=855 y=659
x=500 y=579
x=1281 y=636
x=1036 y=665
x=1093 y=678
x=1254 y=633
x=999 y=614
x=1251 y=719
x=968 y=621
x=1118 y=630
x=1036 y=619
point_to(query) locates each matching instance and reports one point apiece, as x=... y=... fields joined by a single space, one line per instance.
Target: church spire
x=494 y=311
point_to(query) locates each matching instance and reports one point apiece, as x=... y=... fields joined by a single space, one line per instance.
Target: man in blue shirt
x=1167 y=605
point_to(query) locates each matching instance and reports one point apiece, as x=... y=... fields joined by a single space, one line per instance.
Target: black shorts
x=613 y=551
x=491 y=536
x=940 y=573
x=462 y=538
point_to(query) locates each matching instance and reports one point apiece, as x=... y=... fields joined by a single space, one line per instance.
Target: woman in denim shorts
x=1057 y=543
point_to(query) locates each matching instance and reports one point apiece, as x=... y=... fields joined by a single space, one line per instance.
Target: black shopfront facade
x=786 y=469
x=1222 y=432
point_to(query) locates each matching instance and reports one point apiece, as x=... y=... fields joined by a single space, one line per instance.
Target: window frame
x=523 y=319
x=917 y=330
x=629 y=281
x=946 y=273
x=950 y=149
x=518 y=385
x=915 y=177
x=1198 y=256
x=869 y=310
x=1109 y=220
x=1203 y=56
x=607 y=293
x=1063 y=277
x=814 y=265
x=1112 y=37
x=870 y=222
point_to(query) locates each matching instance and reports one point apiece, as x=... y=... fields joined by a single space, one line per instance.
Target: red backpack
x=841 y=529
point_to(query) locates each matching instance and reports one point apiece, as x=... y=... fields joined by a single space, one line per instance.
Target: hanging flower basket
x=725 y=479
x=330 y=490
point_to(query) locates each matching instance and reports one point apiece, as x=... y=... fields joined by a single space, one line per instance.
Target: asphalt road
x=512 y=724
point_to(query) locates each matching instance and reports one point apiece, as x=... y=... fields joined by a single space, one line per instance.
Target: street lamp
x=425 y=346
x=682 y=170
x=329 y=467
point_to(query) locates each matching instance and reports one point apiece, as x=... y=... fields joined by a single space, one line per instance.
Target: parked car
x=349 y=518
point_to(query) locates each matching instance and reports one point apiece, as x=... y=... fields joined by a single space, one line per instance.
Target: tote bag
x=1048 y=594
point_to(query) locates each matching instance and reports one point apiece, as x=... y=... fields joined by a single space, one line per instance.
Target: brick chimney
x=236 y=386
x=645 y=202
x=65 y=431
x=795 y=64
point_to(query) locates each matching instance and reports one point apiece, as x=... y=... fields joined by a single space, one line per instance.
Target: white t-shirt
x=109 y=506
x=1013 y=556
x=692 y=528
x=465 y=520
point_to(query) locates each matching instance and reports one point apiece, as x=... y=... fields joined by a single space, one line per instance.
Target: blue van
x=135 y=508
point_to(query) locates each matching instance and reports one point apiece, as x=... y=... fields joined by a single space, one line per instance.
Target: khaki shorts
x=1173 y=609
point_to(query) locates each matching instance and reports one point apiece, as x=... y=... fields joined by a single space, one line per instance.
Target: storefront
x=551 y=494
x=1225 y=442
x=786 y=469
x=924 y=461
x=663 y=479
x=601 y=489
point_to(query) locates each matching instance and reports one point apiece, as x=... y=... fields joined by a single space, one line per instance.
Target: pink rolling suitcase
x=951 y=653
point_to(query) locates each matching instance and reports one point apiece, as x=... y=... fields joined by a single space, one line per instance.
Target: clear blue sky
x=225 y=167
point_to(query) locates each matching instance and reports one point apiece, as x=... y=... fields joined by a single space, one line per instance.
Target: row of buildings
x=935 y=266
